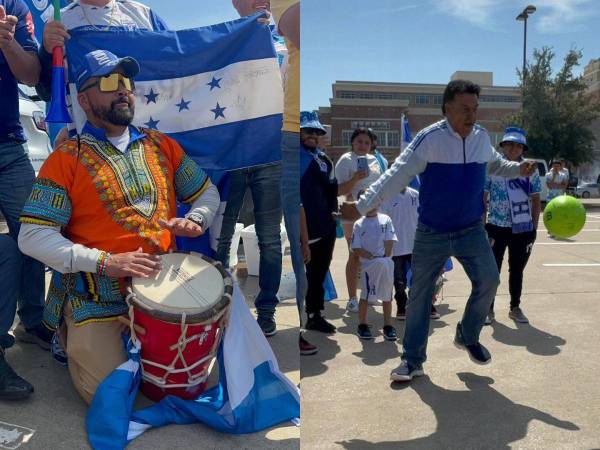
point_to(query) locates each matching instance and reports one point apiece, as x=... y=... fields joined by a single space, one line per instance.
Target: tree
x=556 y=112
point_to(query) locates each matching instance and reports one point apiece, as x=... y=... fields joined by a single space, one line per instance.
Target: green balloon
x=564 y=216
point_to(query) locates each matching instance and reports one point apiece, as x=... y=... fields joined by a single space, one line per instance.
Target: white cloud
x=564 y=15
x=551 y=15
x=478 y=12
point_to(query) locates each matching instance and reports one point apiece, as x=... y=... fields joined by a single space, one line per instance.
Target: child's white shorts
x=377 y=279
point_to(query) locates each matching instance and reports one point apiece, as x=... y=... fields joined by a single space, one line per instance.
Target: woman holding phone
x=355 y=171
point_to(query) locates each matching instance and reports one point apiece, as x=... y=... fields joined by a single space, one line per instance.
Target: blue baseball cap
x=310 y=119
x=514 y=134
x=102 y=62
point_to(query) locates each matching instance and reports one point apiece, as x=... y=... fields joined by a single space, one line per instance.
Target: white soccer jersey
x=347 y=166
x=370 y=234
x=403 y=210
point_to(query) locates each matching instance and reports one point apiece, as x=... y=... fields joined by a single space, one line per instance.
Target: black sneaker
x=434 y=313
x=477 y=352
x=306 y=348
x=364 y=332
x=401 y=314
x=318 y=323
x=266 y=322
x=39 y=335
x=389 y=333
x=12 y=386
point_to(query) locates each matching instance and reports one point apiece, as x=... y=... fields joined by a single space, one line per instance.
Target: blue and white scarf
x=518 y=190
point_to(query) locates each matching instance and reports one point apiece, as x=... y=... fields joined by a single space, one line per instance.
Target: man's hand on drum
x=133 y=264
x=181 y=227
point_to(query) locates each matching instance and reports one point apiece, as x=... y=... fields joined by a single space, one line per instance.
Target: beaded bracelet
x=102 y=263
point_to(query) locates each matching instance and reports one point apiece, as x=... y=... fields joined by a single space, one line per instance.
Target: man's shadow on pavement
x=536 y=341
x=477 y=418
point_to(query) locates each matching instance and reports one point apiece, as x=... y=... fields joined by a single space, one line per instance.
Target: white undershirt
x=121 y=142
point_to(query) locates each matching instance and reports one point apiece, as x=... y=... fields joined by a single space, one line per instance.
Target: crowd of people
x=472 y=202
x=103 y=206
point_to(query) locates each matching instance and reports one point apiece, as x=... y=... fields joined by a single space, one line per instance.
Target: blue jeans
x=16 y=179
x=290 y=198
x=264 y=184
x=10 y=270
x=471 y=248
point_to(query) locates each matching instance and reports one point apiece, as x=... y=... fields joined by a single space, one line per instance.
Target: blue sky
x=425 y=41
x=181 y=14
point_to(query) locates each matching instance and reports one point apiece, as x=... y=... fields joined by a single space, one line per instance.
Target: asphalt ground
x=539 y=392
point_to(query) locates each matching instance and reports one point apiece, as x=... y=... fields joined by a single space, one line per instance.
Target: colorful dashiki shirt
x=109 y=200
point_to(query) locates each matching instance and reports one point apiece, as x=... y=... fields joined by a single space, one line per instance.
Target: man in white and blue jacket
x=452 y=157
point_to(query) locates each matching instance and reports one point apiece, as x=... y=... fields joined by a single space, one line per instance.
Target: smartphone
x=361 y=163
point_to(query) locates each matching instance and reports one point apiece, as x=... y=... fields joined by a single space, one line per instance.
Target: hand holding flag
x=7 y=29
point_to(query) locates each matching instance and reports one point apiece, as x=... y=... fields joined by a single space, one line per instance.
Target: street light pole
x=522 y=17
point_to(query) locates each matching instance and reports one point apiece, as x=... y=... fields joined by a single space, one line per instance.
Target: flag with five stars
x=216 y=90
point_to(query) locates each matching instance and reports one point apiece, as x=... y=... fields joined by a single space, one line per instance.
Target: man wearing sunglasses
x=102 y=209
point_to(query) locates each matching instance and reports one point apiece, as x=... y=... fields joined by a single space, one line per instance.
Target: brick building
x=381 y=105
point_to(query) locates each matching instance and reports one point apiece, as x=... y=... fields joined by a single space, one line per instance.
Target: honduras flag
x=216 y=90
x=251 y=395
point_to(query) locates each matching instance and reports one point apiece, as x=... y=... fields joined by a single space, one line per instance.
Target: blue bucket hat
x=514 y=134
x=99 y=63
x=310 y=119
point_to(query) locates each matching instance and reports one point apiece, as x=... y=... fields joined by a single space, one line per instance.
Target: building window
x=381 y=140
x=437 y=99
x=381 y=125
x=421 y=99
x=346 y=135
x=499 y=99
x=393 y=139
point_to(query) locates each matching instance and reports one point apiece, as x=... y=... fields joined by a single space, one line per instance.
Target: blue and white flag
x=406 y=135
x=251 y=395
x=216 y=90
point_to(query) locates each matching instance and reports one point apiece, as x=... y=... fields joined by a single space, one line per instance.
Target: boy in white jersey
x=403 y=210
x=373 y=238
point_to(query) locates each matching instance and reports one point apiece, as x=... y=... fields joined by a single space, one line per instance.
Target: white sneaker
x=352 y=305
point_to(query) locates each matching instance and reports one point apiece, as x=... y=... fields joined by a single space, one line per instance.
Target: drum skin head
x=190 y=283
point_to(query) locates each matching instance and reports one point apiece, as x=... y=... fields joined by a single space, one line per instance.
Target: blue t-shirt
x=10 y=127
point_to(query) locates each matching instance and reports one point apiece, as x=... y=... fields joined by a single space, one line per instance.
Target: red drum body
x=183 y=313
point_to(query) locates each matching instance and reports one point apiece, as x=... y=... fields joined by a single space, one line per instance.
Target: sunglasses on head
x=110 y=83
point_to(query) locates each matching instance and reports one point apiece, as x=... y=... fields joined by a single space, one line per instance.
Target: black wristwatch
x=197 y=219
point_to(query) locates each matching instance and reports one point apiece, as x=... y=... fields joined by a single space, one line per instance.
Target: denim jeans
x=16 y=179
x=471 y=248
x=290 y=198
x=264 y=184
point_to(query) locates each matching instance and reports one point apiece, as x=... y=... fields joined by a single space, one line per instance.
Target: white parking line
x=567 y=243
x=12 y=436
x=572 y=265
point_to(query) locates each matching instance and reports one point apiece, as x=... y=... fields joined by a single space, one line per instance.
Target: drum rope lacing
x=182 y=342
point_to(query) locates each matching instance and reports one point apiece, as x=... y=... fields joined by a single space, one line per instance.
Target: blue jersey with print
x=10 y=126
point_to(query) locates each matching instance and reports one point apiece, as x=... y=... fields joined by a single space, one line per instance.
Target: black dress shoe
x=12 y=386
x=477 y=352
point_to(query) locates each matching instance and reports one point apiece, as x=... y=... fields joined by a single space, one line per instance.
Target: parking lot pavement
x=54 y=415
x=539 y=392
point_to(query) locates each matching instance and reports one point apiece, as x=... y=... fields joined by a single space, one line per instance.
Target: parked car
x=587 y=190
x=33 y=121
